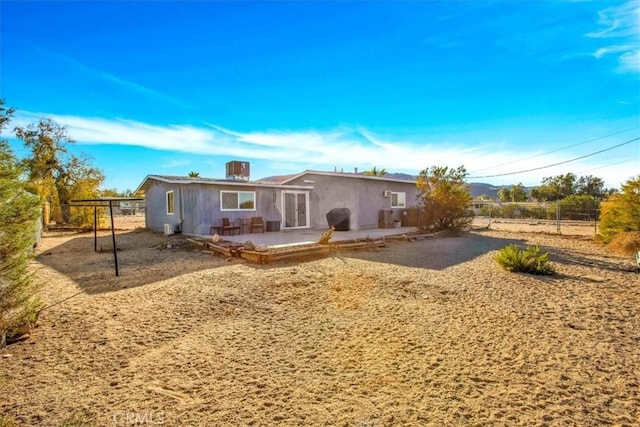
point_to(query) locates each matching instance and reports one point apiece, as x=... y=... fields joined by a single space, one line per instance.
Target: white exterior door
x=296 y=209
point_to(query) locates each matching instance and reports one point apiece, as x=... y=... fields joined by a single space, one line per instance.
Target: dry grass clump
x=627 y=243
x=7 y=421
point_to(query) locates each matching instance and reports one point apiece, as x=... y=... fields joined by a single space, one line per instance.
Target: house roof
x=142 y=188
x=347 y=175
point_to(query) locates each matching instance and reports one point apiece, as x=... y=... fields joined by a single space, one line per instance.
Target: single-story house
x=194 y=205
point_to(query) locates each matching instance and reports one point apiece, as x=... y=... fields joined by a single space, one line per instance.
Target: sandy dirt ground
x=568 y=228
x=426 y=333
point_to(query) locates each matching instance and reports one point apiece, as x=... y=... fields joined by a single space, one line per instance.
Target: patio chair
x=229 y=226
x=256 y=223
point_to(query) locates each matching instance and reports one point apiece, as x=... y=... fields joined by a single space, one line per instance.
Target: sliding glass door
x=296 y=209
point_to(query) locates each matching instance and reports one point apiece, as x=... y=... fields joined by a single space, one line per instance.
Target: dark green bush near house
x=19 y=216
x=529 y=260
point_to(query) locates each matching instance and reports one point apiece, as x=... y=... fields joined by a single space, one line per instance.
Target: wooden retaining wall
x=230 y=249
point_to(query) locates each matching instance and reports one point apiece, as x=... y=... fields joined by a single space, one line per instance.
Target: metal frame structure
x=104 y=202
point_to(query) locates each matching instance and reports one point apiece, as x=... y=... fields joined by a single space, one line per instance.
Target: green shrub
x=444 y=199
x=529 y=260
x=621 y=212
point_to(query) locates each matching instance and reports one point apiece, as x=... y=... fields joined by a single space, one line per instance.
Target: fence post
x=558 y=216
x=490 y=206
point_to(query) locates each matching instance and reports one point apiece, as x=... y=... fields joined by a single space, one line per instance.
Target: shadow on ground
x=434 y=253
x=602 y=262
x=143 y=257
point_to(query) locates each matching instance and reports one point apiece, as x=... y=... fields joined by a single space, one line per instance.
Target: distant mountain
x=402 y=176
x=476 y=189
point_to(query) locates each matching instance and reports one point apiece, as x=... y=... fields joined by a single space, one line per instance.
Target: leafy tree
x=590 y=186
x=47 y=142
x=77 y=179
x=444 y=198
x=518 y=193
x=194 y=174
x=109 y=192
x=621 y=212
x=19 y=215
x=504 y=194
x=375 y=172
x=54 y=174
x=538 y=194
x=556 y=187
x=562 y=186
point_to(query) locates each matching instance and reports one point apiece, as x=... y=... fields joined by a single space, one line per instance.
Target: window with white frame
x=238 y=200
x=170 y=205
x=398 y=200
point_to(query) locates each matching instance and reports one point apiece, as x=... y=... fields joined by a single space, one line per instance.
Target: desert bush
x=621 y=212
x=529 y=260
x=626 y=243
x=444 y=199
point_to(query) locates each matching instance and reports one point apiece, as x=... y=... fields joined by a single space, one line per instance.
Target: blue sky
x=171 y=87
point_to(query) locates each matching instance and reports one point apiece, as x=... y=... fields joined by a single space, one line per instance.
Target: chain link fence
x=81 y=216
x=551 y=217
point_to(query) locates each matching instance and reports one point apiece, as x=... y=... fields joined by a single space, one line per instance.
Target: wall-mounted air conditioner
x=386 y=193
x=168 y=229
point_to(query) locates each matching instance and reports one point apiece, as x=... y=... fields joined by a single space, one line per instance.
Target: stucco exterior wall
x=362 y=196
x=156 y=207
x=197 y=206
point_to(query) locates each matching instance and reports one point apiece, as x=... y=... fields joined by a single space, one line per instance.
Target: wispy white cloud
x=620 y=28
x=611 y=49
x=630 y=61
x=90 y=130
x=618 y=21
x=344 y=148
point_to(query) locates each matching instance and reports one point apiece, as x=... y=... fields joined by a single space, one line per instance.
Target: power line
x=556 y=164
x=559 y=149
x=623 y=162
